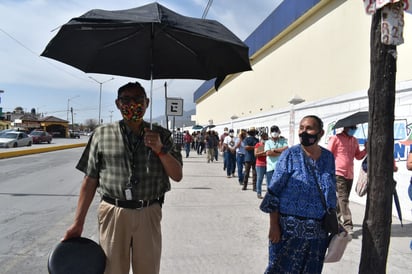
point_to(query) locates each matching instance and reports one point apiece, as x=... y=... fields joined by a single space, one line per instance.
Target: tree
x=91 y=124
x=378 y=214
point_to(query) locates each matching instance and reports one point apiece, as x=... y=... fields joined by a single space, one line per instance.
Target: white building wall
x=327 y=55
x=325 y=60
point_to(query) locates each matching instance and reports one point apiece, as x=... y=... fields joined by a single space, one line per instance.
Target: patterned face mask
x=132 y=112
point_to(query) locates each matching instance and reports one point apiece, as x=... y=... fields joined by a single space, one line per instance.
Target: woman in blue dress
x=297 y=241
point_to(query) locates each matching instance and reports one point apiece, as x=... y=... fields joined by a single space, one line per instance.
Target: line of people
x=251 y=152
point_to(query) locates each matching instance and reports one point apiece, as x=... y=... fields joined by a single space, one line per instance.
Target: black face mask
x=307 y=139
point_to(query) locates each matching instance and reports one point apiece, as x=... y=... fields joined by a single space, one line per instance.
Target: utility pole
x=377 y=222
x=167 y=119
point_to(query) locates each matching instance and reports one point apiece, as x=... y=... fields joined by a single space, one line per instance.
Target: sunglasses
x=127 y=99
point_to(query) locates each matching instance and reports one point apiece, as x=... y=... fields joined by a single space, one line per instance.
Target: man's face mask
x=274 y=134
x=132 y=111
x=351 y=131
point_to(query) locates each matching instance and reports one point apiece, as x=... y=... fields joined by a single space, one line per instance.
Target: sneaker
x=259 y=196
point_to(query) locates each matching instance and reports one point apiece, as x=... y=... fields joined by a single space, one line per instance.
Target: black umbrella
x=149 y=42
x=352 y=120
x=397 y=204
x=208 y=127
x=197 y=127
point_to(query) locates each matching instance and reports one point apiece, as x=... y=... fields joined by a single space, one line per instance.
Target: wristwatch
x=163 y=151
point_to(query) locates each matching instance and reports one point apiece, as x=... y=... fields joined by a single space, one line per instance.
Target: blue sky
x=30 y=81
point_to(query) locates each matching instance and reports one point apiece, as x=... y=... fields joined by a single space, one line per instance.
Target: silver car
x=15 y=139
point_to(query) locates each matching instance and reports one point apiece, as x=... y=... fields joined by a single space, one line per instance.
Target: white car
x=15 y=139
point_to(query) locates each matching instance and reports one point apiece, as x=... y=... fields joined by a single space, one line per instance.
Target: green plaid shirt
x=109 y=157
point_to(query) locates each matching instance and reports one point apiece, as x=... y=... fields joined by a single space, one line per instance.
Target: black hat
x=274 y=129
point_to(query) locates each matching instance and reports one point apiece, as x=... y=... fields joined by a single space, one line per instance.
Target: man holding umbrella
x=345 y=148
x=130 y=162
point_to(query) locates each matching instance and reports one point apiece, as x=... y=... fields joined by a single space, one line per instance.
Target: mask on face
x=274 y=134
x=132 y=112
x=307 y=139
x=351 y=132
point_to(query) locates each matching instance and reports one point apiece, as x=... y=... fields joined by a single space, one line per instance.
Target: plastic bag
x=337 y=246
x=362 y=183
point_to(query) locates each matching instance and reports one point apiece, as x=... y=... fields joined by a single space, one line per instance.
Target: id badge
x=128 y=194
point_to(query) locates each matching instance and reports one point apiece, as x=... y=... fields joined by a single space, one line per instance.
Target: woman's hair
x=317 y=119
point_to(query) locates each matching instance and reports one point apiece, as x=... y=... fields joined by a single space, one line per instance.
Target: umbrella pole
x=151 y=95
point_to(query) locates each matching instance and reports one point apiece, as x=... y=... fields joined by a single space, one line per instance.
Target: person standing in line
x=409 y=161
x=274 y=146
x=297 y=239
x=130 y=162
x=230 y=153
x=222 y=147
x=260 y=155
x=178 y=139
x=345 y=148
x=216 y=145
x=240 y=155
x=202 y=144
x=250 y=159
x=210 y=142
x=187 y=139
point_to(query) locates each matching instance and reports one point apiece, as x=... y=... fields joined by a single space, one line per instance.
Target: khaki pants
x=130 y=236
x=343 y=188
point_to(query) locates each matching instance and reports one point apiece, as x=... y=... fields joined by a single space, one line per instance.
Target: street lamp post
x=294 y=101
x=100 y=95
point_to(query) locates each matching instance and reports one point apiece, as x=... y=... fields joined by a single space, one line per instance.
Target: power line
x=37 y=55
x=209 y=3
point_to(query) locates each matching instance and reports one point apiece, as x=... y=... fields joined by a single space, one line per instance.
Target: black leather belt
x=131 y=204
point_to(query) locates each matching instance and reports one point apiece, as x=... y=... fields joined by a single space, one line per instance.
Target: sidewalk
x=211 y=226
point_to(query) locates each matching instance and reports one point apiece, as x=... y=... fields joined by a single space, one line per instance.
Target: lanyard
x=129 y=137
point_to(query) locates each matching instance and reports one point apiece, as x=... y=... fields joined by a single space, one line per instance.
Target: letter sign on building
x=174 y=107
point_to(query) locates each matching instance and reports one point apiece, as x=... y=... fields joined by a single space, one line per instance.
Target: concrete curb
x=17 y=153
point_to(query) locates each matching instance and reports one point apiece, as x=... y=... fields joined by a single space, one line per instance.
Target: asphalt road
x=38 y=195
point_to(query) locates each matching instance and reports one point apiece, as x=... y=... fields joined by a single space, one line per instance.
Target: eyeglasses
x=127 y=99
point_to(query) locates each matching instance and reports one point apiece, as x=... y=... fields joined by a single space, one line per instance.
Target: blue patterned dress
x=293 y=193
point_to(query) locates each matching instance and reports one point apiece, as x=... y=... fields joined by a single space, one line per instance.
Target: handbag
x=362 y=183
x=330 y=220
x=337 y=246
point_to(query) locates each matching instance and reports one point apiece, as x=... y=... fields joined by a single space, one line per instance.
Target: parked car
x=15 y=139
x=74 y=134
x=41 y=137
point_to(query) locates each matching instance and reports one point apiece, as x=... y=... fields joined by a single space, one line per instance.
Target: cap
x=274 y=129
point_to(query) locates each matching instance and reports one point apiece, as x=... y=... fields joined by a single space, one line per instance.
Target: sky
x=51 y=88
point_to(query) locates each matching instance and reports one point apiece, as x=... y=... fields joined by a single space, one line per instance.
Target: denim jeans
x=260 y=172
x=187 y=148
x=240 y=160
x=269 y=175
x=230 y=163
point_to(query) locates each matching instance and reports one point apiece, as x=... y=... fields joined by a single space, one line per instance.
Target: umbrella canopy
x=208 y=127
x=352 y=120
x=149 y=42
x=197 y=127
